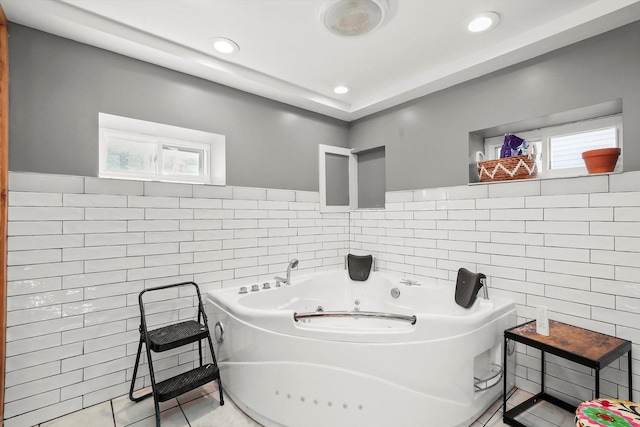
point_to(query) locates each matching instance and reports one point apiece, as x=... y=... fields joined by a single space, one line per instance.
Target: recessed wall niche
x=477 y=137
x=371 y=178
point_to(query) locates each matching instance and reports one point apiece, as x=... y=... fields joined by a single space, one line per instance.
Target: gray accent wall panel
x=58 y=86
x=427 y=140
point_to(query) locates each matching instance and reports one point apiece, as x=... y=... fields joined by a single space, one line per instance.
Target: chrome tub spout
x=287 y=281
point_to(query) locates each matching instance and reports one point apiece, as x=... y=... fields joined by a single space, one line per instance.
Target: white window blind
x=566 y=150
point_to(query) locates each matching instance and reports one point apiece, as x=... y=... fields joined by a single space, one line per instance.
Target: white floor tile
x=96 y=416
x=206 y=411
x=491 y=412
x=172 y=417
x=127 y=412
x=529 y=419
x=553 y=414
x=496 y=421
x=201 y=408
x=545 y=414
x=517 y=398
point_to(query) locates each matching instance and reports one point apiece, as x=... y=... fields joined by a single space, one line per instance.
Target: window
x=136 y=149
x=565 y=151
x=559 y=148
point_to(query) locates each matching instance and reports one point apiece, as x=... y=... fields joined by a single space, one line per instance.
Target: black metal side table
x=588 y=348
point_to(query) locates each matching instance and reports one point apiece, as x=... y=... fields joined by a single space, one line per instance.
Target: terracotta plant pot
x=602 y=160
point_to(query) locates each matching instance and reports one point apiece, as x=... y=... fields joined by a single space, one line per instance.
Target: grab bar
x=370 y=314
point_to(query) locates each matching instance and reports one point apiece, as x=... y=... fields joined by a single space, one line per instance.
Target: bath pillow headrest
x=467 y=286
x=359 y=266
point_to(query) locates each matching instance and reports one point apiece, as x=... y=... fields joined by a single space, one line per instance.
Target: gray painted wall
x=427 y=140
x=58 y=87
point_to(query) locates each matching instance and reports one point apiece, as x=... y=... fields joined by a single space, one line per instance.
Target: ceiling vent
x=352 y=18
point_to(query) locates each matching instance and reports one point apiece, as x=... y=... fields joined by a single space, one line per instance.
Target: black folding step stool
x=167 y=338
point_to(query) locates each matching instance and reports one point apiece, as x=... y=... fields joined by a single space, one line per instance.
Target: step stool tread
x=176 y=335
x=187 y=381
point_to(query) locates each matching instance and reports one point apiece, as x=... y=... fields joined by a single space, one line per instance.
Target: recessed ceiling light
x=223 y=45
x=483 y=22
x=341 y=90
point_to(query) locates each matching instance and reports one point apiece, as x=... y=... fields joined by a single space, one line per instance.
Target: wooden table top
x=581 y=342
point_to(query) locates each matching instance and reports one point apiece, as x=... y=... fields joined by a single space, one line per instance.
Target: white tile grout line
x=183 y=413
x=497 y=412
x=113 y=413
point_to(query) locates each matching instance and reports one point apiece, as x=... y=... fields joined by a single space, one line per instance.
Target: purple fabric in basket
x=512 y=146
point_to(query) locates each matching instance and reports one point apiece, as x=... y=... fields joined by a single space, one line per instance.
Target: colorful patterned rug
x=609 y=413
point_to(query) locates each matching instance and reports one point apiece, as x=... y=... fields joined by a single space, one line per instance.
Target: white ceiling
x=286 y=54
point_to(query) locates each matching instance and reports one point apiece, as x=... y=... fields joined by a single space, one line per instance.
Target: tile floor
x=201 y=408
x=543 y=414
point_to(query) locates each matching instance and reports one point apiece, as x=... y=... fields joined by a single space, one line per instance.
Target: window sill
x=543 y=178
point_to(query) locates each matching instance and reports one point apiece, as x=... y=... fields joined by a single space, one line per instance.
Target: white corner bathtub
x=351 y=365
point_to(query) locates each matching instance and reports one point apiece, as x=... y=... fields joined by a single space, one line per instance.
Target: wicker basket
x=508 y=168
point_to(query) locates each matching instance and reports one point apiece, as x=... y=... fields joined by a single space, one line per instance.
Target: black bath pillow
x=467 y=286
x=359 y=266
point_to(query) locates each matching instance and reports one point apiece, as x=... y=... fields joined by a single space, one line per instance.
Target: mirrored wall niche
x=337 y=179
x=351 y=179
x=371 y=178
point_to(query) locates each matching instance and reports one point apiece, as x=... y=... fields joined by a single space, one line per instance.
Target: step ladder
x=170 y=337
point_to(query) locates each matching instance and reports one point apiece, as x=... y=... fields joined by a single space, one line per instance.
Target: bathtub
x=329 y=351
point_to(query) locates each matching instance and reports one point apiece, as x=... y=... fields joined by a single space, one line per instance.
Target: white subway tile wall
x=81 y=249
x=572 y=245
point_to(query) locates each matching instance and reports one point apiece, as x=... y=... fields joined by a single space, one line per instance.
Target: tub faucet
x=292 y=264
